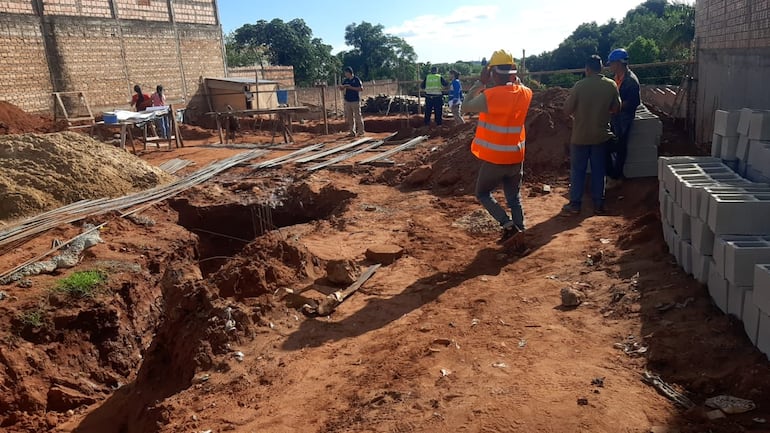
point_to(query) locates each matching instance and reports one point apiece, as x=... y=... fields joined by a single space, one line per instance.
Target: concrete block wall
x=643 y=142
x=716 y=224
x=105 y=47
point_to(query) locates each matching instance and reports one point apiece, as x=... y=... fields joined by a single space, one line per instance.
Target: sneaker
x=570 y=209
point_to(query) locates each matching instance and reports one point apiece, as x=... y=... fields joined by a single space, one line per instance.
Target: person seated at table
x=140 y=100
x=159 y=100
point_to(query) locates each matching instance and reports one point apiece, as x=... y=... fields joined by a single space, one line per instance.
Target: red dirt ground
x=458 y=335
x=14 y=120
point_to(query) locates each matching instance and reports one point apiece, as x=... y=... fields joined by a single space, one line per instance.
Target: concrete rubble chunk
x=571 y=297
x=342 y=272
x=384 y=254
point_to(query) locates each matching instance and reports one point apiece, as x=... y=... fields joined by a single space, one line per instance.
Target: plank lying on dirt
x=413 y=142
x=333 y=150
x=328 y=305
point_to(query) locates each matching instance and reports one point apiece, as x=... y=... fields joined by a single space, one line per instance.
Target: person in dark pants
x=434 y=85
x=630 y=96
x=591 y=102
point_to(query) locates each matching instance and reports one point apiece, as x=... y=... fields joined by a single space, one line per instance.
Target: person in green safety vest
x=434 y=85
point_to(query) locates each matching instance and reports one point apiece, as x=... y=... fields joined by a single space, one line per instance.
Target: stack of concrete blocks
x=643 y=142
x=742 y=140
x=717 y=225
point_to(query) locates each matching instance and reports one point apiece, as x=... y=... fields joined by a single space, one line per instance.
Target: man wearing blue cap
x=628 y=86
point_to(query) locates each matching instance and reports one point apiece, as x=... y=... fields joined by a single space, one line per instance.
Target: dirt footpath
x=206 y=331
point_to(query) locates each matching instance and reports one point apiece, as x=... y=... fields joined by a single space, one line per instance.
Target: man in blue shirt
x=628 y=87
x=352 y=87
x=434 y=85
x=456 y=97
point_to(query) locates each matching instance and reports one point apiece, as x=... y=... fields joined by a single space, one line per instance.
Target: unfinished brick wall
x=733 y=41
x=733 y=24
x=284 y=75
x=81 y=8
x=23 y=66
x=195 y=11
x=78 y=45
x=147 y=10
x=16 y=7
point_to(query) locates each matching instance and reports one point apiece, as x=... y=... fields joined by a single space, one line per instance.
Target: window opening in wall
x=143 y=2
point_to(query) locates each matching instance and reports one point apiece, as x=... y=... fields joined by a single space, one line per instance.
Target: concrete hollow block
x=750 y=317
x=744 y=121
x=729 y=148
x=702 y=237
x=700 y=267
x=735 y=299
x=681 y=222
x=762 y=286
x=687 y=256
x=717 y=288
x=763 y=333
x=760 y=125
x=716 y=146
x=739 y=213
x=740 y=259
x=742 y=150
x=726 y=122
x=720 y=248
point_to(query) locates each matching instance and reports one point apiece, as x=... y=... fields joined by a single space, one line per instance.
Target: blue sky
x=440 y=31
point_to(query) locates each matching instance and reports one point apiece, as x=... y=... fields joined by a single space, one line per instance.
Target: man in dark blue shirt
x=352 y=87
x=630 y=95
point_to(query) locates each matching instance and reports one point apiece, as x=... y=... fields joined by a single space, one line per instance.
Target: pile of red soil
x=14 y=120
x=548 y=133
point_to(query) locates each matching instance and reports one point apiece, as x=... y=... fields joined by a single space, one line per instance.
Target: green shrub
x=81 y=284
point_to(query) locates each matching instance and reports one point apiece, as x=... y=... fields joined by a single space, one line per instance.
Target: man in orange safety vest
x=500 y=139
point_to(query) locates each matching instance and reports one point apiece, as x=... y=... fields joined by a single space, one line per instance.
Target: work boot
x=570 y=209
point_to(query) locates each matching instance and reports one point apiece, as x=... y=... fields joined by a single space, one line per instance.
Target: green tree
x=376 y=54
x=287 y=43
x=242 y=55
x=643 y=50
x=681 y=26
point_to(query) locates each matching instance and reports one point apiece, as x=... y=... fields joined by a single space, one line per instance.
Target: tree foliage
x=377 y=55
x=656 y=30
x=283 y=43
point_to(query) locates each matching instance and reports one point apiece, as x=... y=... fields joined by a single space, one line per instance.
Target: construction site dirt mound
x=268 y=263
x=39 y=172
x=14 y=120
x=548 y=133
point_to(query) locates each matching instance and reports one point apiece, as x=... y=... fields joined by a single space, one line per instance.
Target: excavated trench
x=194 y=334
x=225 y=229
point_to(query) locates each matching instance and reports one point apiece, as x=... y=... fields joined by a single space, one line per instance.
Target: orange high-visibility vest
x=500 y=133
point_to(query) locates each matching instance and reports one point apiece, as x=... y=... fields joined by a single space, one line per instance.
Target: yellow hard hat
x=501 y=57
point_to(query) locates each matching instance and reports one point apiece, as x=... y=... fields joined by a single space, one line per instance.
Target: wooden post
x=336 y=97
x=323 y=104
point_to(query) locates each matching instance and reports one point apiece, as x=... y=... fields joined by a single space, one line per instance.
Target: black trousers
x=434 y=104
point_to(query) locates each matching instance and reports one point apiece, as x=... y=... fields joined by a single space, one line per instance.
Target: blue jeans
x=490 y=177
x=580 y=156
x=162 y=123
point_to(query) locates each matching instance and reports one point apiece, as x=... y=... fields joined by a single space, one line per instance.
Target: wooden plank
x=413 y=142
x=333 y=150
x=328 y=305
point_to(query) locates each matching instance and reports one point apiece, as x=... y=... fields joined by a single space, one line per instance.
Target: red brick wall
x=79 y=45
x=23 y=67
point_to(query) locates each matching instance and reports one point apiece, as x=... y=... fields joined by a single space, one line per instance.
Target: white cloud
x=459 y=21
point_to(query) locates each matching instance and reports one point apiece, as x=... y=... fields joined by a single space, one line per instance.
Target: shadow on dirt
x=380 y=312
